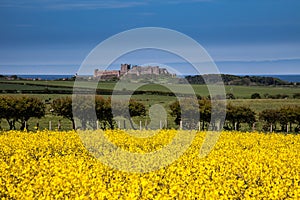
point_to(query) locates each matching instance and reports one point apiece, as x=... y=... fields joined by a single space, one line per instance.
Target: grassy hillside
x=237 y=91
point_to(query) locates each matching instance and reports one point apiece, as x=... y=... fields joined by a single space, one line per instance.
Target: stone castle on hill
x=135 y=70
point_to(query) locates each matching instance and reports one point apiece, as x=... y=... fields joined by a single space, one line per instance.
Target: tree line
x=281 y=119
x=284 y=119
x=19 y=110
x=238 y=80
x=103 y=109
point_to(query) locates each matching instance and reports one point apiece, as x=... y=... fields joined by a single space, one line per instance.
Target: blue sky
x=242 y=36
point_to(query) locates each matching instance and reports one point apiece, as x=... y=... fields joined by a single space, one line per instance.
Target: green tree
x=63 y=107
x=134 y=109
x=297 y=118
x=84 y=110
x=175 y=111
x=8 y=111
x=187 y=111
x=27 y=107
x=230 y=96
x=288 y=116
x=236 y=115
x=255 y=96
x=270 y=117
x=296 y=96
x=104 y=112
x=205 y=112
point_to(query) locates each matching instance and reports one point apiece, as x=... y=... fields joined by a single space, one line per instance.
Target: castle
x=135 y=70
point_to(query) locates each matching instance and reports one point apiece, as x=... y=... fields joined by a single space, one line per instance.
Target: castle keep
x=135 y=70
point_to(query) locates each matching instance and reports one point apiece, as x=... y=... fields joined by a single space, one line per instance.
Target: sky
x=241 y=36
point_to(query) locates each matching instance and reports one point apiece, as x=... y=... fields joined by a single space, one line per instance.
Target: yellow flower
x=52 y=164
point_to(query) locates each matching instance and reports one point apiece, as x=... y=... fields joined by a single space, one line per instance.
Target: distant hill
x=238 y=80
x=295 y=78
x=228 y=79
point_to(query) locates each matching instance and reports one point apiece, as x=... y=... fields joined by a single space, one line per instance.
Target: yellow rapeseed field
x=56 y=165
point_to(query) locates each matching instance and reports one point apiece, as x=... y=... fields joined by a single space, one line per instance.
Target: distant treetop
x=238 y=80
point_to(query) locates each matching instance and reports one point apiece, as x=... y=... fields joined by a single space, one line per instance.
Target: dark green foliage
x=192 y=116
x=190 y=113
x=104 y=112
x=237 y=80
x=27 y=107
x=271 y=116
x=8 y=111
x=83 y=110
x=136 y=108
x=176 y=111
x=255 y=96
x=235 y=115
x=63 y=107
x=205 y=112
x=230 y=96
x=286 y=116
x=296 y=96
x=278 y=96
x=20 y=110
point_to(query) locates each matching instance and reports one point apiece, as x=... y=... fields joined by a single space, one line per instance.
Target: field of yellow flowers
x=56 y=165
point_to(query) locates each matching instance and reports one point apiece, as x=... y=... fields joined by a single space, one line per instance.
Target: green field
x=242 y=93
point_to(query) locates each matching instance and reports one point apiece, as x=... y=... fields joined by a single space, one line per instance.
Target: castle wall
x=135 y=70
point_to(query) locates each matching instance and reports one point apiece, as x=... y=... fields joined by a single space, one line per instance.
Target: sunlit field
x=56 y=165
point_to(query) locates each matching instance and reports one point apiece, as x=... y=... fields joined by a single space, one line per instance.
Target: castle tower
x=96 y=72
x=124 y=68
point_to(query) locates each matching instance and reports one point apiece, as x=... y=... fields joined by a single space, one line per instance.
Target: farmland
x=149 y=100
x=147 y=95
x=56 y=165
x=244 y=92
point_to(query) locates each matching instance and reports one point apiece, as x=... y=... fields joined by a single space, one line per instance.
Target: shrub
x=255 y=96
